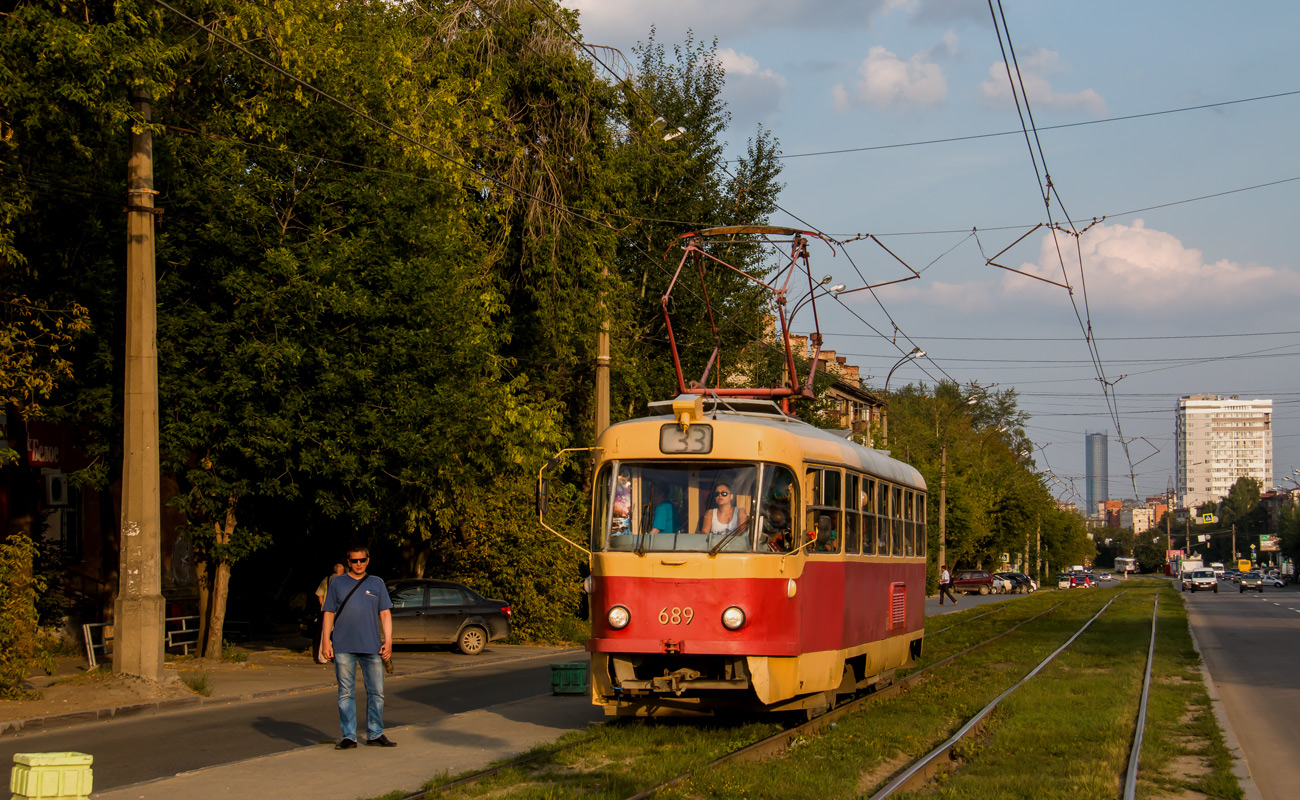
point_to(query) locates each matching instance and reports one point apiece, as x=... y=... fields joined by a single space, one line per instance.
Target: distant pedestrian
x=358 y=631
x=945 y=585
x=319 y=620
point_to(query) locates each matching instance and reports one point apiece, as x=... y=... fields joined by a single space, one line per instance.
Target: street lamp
x=915 y=352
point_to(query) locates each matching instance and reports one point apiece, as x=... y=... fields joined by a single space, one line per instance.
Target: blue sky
x=1183 y=295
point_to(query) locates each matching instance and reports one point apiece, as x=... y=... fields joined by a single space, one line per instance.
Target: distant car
x=1080 y=580
x=1200 y=580
x=1020 y=582
x=1251 y=580
x=1273 y=581
x=973 y=581
x=442 y=612
x=1002 y=585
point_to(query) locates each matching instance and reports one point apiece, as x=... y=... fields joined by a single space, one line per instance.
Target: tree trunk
x=220 y=585
x=203 y=576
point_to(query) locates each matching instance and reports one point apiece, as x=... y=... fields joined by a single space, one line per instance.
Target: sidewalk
x=449 y=746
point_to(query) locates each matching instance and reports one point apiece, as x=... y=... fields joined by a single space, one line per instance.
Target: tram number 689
x=676 y=616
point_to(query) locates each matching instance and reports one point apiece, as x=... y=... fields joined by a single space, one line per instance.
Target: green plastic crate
x=569 y=678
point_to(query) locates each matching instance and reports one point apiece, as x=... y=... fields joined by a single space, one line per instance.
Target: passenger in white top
x=724 y=517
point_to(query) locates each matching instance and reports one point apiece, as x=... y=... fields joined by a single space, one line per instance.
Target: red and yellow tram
x=744 y=560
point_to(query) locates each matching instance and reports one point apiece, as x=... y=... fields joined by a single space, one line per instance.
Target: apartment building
x=1218 y=440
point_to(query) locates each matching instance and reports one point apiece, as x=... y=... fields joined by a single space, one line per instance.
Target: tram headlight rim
x=733 y=624
x=612 y=616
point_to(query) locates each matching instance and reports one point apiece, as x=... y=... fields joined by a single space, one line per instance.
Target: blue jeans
x=372 y=672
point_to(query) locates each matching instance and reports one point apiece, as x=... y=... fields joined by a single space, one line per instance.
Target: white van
x=1218 y=569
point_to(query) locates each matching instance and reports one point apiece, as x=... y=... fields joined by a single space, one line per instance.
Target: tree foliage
x=375 y=321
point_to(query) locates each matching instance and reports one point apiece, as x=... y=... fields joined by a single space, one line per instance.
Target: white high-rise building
x=1221 y=439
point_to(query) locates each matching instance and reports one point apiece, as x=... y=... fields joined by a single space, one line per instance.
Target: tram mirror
x=543 y=495
x=550 y=465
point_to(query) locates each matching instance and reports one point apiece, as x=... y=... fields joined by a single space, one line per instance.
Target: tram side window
x=852 y=517
x=909 y=522
x=600 y=495
x=882 y=519
x=922 y=540
x=778 y=497
x=868 y=516
x=823 y=516
x=896 y=517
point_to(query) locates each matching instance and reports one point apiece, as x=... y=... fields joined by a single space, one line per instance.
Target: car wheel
x=984 y=590
x=1216 y=590
x=1261 y=588
x=472 y=640
x=1243 y=590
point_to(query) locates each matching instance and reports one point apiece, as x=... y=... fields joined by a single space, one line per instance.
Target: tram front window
x=678 y=507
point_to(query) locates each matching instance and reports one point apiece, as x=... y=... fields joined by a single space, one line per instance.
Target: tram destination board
x=696 y=439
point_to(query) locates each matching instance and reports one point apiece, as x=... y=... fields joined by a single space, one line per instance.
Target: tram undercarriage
x=655 y=684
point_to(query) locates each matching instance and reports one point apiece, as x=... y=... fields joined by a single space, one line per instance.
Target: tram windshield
x=693 y=507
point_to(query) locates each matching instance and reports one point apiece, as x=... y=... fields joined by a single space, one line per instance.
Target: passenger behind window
x=776 y=529
x=828 y=539
x=665 y=515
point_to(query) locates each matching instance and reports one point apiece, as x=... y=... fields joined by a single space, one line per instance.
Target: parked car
x=1002 y=585
x=1251 y=580
x=1020 y=582
x=972 y=581
x=1200 y=580
x=442 y=612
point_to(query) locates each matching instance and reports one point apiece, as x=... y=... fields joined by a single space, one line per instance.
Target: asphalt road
x=1251 y=645
x=142 y=748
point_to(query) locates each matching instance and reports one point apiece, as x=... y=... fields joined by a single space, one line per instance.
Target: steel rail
x=1130 y=778
x=924 y=768
x=778 y=742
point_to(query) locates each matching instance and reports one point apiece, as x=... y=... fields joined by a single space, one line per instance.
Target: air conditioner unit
x=56 y=489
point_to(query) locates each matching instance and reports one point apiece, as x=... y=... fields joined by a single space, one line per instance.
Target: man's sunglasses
x=357 y=560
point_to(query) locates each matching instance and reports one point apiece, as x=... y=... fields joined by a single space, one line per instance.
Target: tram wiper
x=713 y=551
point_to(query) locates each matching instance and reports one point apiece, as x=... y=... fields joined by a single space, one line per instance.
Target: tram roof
x=818 y=444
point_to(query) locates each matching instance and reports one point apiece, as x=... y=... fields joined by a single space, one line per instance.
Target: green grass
x=1066 y=734
x=200 y=683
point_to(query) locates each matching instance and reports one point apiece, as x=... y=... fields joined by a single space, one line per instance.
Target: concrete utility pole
x=602 y=367
x=138 y=614
x=943 y=504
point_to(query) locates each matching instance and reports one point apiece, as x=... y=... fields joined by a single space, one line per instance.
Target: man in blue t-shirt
x=358 y=630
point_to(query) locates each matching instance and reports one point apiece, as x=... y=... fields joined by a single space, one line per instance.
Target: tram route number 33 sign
x=697 y=439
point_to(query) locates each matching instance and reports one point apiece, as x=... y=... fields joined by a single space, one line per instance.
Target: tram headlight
x=586 y=584
x=791 y=588
x=733 y=618
x=618 y=617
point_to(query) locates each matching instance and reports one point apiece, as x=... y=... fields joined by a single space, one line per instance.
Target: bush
x=20 y=640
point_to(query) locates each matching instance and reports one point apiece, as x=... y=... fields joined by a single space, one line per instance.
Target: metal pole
x=138 y=612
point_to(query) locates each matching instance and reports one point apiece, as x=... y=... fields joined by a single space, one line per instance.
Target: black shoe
x=345 y=744
x=380 y=741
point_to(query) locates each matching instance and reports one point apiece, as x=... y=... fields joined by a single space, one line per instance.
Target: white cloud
x=888 y=81
x=622 y=22
x=995 y=90
x=1130 y=269
x=752 y=92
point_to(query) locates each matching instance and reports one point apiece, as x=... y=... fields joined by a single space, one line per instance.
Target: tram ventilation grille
x=897 y=605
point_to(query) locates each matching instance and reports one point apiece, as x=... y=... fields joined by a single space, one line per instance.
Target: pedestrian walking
x=358 y=632
x=945 y=585
x=319 y=621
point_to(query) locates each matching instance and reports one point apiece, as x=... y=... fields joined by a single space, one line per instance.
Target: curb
x=15 y=727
